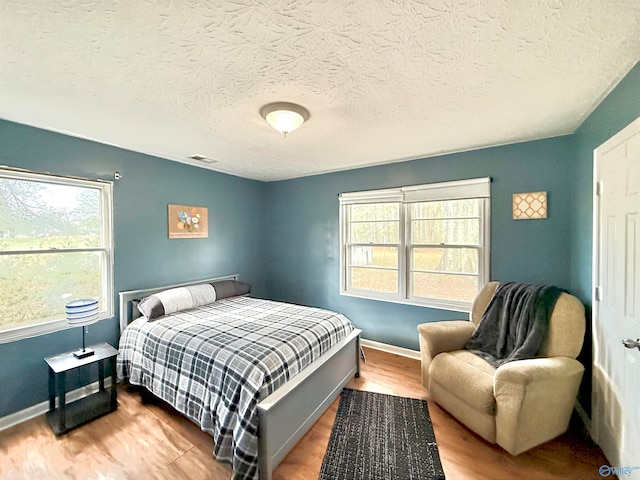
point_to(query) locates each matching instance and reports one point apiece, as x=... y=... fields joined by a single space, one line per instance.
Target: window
x=425 y=245
x=55 y=246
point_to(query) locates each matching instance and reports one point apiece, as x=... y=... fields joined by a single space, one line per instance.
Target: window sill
x=439 y=304
x=30 y=331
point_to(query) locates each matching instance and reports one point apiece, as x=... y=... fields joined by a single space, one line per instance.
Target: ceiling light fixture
x=285 y=117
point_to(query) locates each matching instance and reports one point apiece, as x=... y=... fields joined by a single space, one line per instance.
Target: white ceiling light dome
x=285 y=117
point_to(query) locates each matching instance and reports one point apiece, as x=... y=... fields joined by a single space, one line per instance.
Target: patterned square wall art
x=188 y=222
x=530 y=205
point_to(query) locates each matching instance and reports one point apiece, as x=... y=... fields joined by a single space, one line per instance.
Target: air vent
x=202 y=158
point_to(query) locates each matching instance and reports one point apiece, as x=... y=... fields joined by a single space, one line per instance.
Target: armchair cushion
x=437 y=337
x=467 y=376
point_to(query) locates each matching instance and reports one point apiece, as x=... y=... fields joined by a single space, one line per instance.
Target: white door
x=616 y=310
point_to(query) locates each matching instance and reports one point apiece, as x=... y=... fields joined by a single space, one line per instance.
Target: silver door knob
x=627 y=342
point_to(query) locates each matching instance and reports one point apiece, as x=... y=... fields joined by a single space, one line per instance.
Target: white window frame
x=476 y=188
x=106 y=189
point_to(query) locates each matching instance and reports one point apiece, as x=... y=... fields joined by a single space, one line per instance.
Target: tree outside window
x=55 y=246
x=425 y=245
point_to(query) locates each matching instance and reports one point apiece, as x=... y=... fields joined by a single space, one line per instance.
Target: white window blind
x=460 y=189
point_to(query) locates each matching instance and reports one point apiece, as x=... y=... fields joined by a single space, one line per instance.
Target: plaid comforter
x=215 y=363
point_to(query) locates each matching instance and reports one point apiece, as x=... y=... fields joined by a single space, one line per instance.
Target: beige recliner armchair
x=520 y=404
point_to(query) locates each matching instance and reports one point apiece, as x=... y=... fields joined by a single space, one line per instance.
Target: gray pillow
x=191 y=296
x=135 y=311
x=230 y=288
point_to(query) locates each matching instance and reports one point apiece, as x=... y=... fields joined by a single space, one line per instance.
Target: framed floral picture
x=188 y=222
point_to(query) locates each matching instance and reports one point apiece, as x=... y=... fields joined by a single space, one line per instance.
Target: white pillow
x=191 y=296
x=176 y=300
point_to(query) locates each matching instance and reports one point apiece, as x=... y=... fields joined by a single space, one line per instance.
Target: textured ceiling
x=384 y=80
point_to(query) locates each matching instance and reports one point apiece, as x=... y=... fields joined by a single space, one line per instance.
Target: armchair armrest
x=534 y=400
x=526 y=372
x=437 y=337
x=444 y=336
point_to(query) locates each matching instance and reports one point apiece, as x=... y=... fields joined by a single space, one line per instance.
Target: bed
x=292 y=372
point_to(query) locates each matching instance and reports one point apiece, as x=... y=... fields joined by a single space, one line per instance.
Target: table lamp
x=81 y=313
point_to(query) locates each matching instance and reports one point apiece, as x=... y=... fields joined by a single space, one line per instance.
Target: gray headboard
x=128 y=310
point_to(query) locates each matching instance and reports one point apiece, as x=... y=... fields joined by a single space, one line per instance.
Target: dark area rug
x=381 y=437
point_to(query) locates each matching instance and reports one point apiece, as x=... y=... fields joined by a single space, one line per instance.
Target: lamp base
x=83 y=353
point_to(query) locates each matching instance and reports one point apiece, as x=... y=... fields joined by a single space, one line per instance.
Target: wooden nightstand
x=72 y=415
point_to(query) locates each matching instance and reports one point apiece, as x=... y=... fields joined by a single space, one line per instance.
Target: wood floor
x=145 y=439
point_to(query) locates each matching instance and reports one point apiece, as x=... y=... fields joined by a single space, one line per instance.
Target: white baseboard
x=41 y=408
x=385 y=347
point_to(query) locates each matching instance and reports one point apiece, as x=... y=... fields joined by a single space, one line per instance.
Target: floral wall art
x=188 y=222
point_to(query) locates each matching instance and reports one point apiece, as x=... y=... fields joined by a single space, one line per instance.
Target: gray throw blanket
x=514 y=323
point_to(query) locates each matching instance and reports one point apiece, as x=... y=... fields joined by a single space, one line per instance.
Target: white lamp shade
x=82 y=312
x=285 y=121
x=284 y=117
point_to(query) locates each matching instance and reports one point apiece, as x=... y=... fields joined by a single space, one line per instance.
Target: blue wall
x=616 y=111
x=144 y=256
x=303 y=245
x=283 y=236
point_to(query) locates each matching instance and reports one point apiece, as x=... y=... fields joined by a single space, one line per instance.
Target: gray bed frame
x=289 y=412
